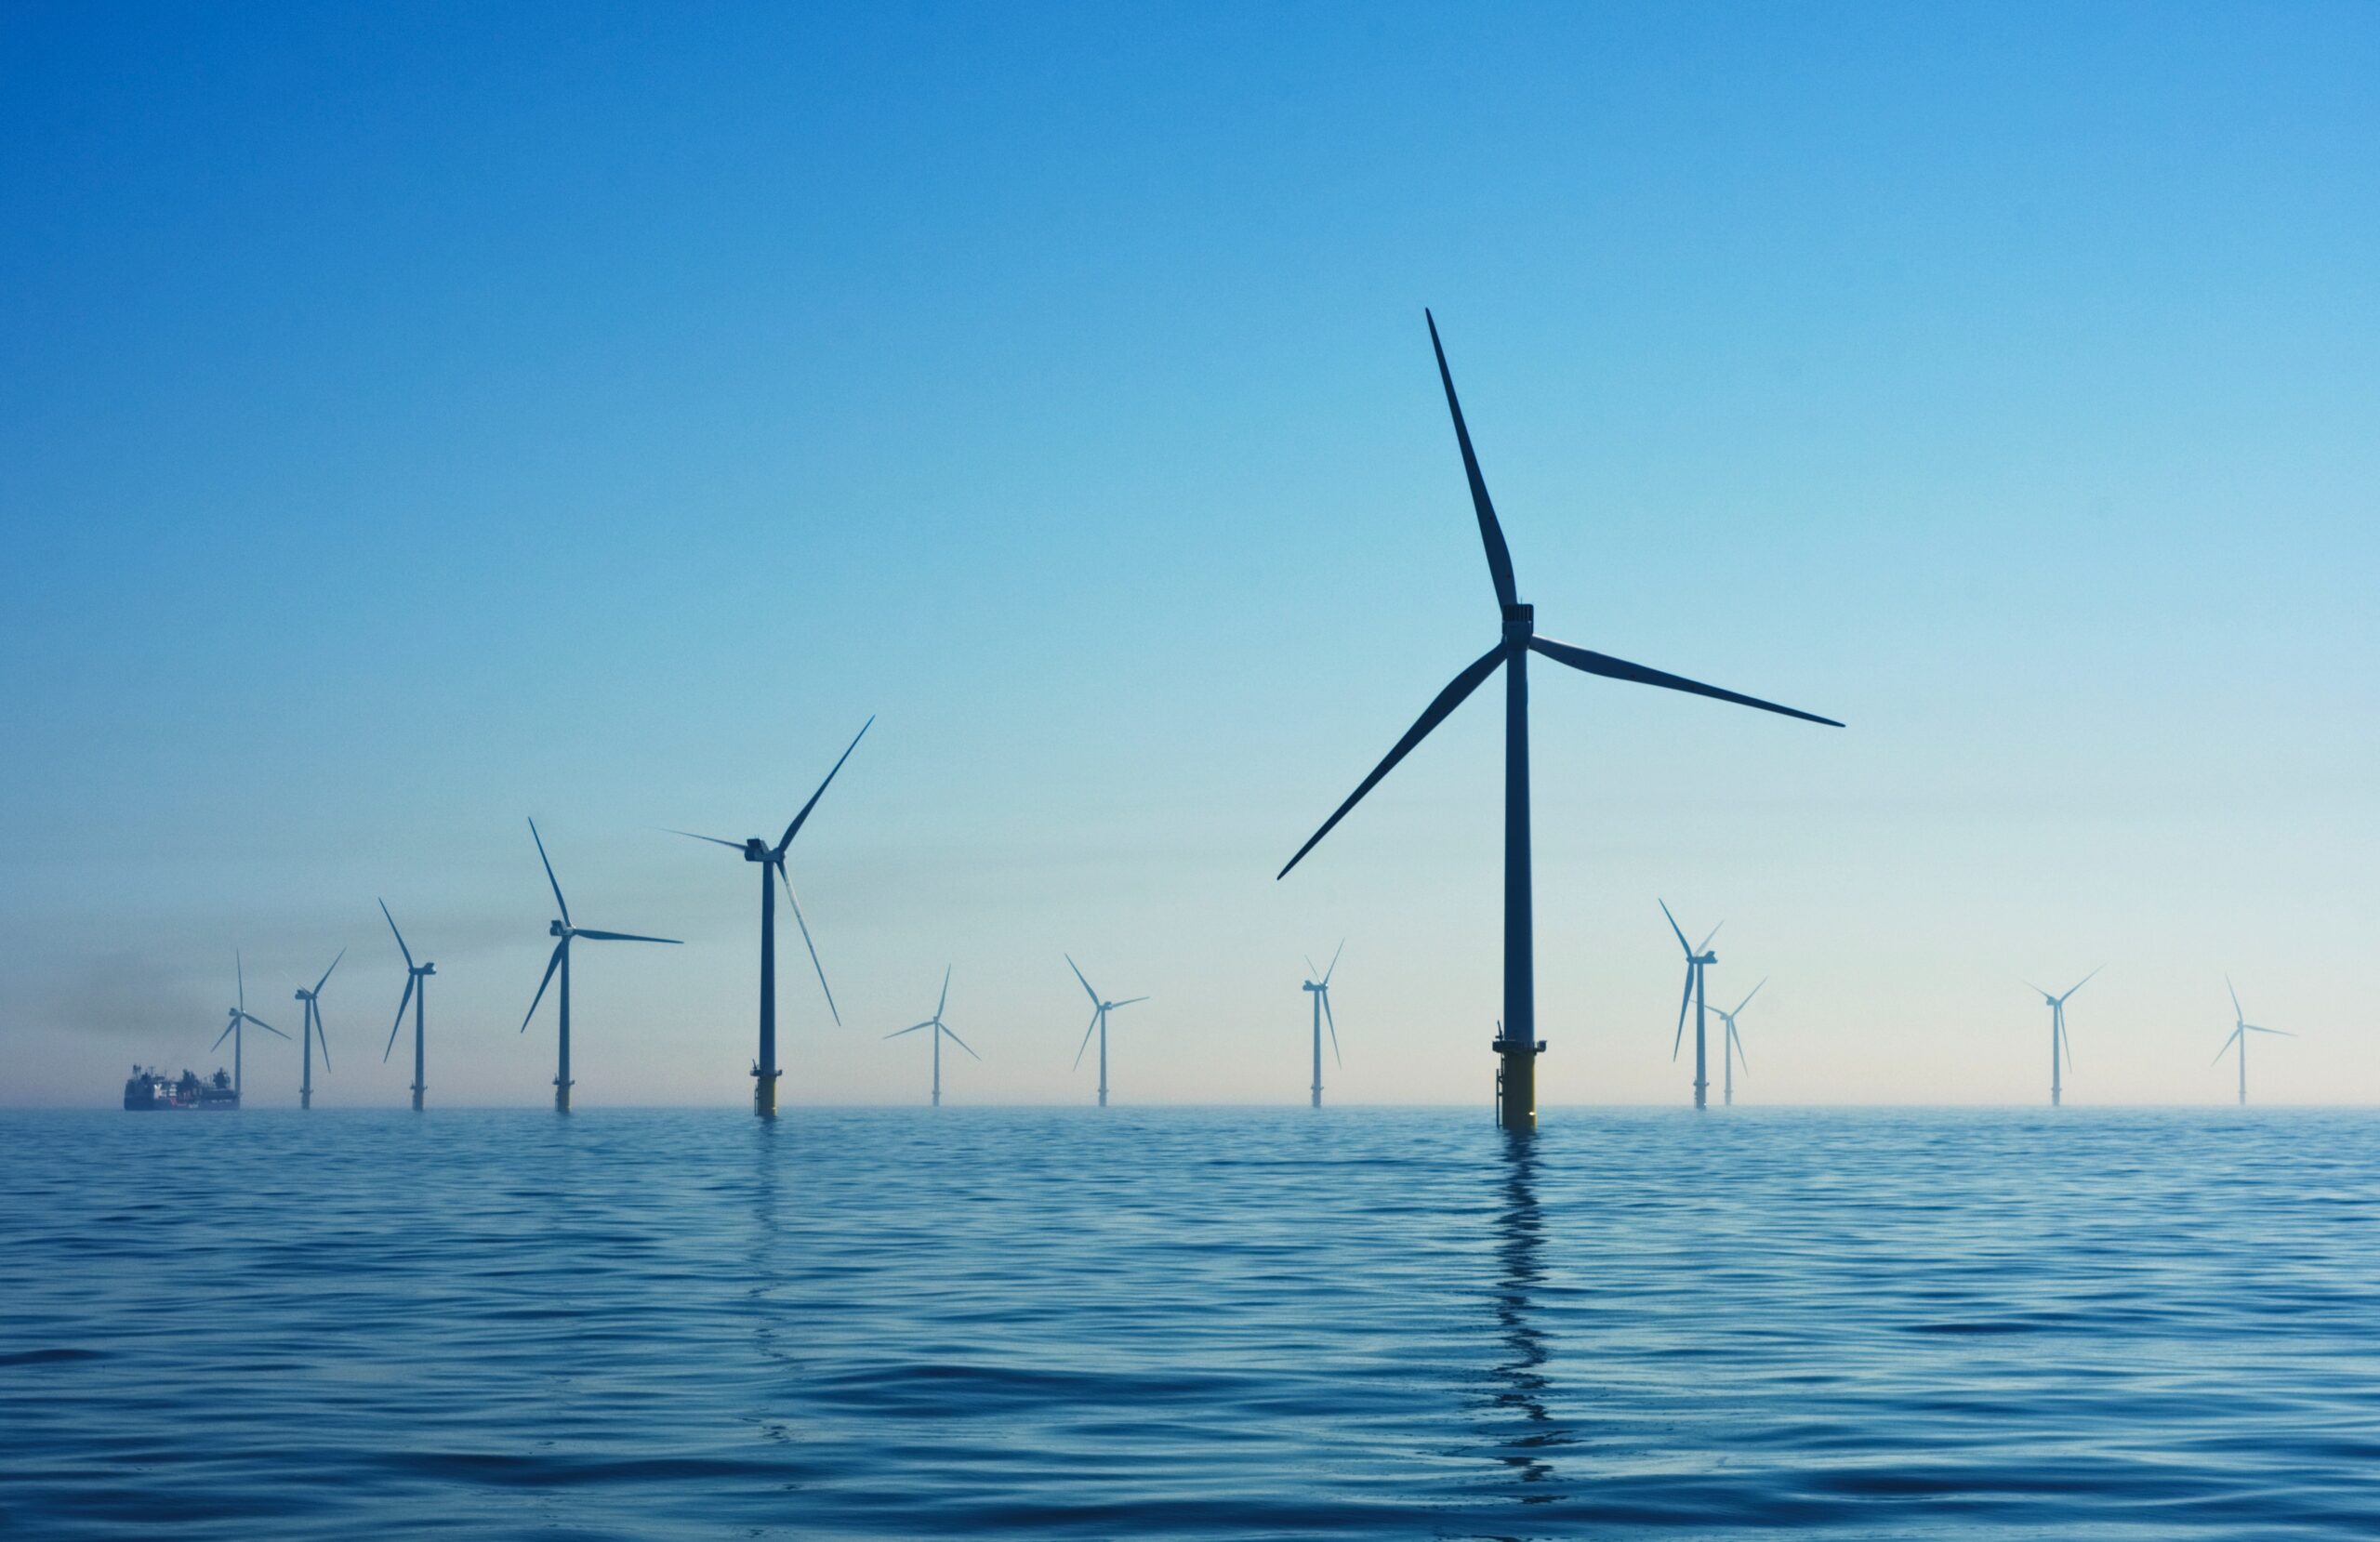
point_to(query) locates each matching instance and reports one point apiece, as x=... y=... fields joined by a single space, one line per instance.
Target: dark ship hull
x=147 y=1091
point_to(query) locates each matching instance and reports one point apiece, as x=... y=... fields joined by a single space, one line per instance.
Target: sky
x=419 y=418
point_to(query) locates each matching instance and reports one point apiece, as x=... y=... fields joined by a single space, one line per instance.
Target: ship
x=148 y=1088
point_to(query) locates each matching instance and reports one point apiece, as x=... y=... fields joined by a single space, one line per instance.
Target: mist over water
x=1218 y=1323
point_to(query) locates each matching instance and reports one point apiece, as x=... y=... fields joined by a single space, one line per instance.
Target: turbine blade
x=2239 y=1014
x=715 y=840
x=2227 y=1047
x=1311 y=972
x=1086 y=985
x=1673 y=926
x=899 y=1032
x=1333 y=1024
x=787 y=878
x=551 y=965
x=549 y=872
x=321 y=1037
x=1128 y=1001
x=401 y=936
x=625 y=937
x=1491 y=534
x=2085 y=980
x=1432 y=716
x=795 y=828
x=1621 y=669
x=1748 y=995
x=268 y=1027
x=2067 y=1040
x=1704 y=946
x=1684 y=1001
x=1086 y=1040
x=240 y=972
x=1736 y=1040
x=957 y=1040
x=403 y=1002
x=945 y=993
x=326 y=975
x=1334 y=961
x=2282 y=1033
x=221 y=1036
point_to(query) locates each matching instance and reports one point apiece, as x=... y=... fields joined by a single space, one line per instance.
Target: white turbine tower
x=1731 y=1050
x=1099 y=1011
x=1320 y=990
x=940 y=1029
x=2058 y=1039
x=2240 y=1028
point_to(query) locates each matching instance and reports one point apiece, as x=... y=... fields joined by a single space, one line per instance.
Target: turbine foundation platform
x=1516 y=1082
x=764 y=1093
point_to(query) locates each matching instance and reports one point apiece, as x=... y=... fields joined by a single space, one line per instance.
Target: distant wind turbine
x=1697 y=960
x=1516 y=1042
x=940 y=1030
x=240 y=1014
x=1099 y=1011
x=1320 y=990
x=564 y=930
x=313 y=1033
x=2058 y=1039
x=417 y=993
x=1733 y=1049
x=771 y=860
x=2240 y=1028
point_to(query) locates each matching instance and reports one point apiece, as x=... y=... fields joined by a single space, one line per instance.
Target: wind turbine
x=313 y=1033
x=2058 y=1039
x=1320 y=991
x=2240 y=1028
x=1099 y=1011
x=1516 y=1042
x=417 y=993
x=1697 y=960
x=564 y=930
x=240 y=1014
x=940 y=1029
x=772 y=860
x=1734 y=1045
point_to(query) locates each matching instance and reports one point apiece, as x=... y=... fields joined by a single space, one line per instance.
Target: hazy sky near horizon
x=416 y=418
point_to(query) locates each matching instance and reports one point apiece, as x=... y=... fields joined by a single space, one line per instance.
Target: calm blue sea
x=1225 y=1324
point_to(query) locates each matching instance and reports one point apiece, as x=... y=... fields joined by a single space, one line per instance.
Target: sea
x=1190 y=1323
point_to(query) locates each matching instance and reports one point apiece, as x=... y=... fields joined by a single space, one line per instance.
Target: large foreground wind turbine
x=1517 y=1043
x=771 y=860
x=1697 y=960
x=940 y=1029
x=1320 y=990
x=2058 y=1039
x=1732 y=1050
x=313 y=1033
x=1099 y=1011
x=240 y=1014
x=417 y=993
x=2240 y=1028
x=564 y=930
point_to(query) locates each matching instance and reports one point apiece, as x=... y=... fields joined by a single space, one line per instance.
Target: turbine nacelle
x=1520 y=624
x=423 y=968
x=756 y=849
x=559 y=929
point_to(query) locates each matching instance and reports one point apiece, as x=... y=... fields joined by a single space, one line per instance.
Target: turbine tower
x=1320 y=991
x=1516 y=1044
x=1697 y=960
x=565 y=931
x=313 y=1033
x=240 y=1015
x=940 y=1030
x=1099 y=1011
x=1732 y=1049
x=2058 y=1039
x=2240 y=1028
x=417 y=993
x=771 y=860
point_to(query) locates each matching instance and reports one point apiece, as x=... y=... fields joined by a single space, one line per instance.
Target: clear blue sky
x=416 y=418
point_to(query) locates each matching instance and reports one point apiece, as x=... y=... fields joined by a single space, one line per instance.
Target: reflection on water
x=1520 y=1378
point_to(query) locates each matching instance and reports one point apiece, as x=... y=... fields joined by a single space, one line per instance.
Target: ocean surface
x=1189 y=1323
